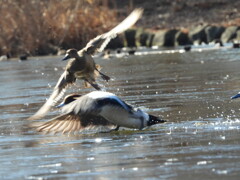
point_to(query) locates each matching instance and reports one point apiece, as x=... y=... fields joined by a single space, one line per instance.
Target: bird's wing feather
x=57 y=94
x=70 y=122
x=101 y=41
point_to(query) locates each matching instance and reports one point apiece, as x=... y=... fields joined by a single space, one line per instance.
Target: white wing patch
x=101 y=94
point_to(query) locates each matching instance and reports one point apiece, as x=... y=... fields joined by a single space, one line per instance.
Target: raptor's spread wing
x=101 y=41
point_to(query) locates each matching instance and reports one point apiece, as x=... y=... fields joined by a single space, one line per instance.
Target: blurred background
x=41 y=27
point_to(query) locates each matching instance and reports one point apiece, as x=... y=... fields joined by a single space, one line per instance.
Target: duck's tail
x=154 y=120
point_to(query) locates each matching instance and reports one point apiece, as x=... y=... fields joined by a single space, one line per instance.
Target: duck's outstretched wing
x=100 y=42
x=68 y=123
x=58 y=91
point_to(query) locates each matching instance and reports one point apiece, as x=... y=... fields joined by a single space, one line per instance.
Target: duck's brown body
x=82 y=66
x=80 y=62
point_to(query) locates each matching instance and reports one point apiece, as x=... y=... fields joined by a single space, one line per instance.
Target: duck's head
x=71 y=53
x=236 y=96
x=68 y=99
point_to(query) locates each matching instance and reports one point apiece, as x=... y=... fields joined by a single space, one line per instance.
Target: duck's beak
x=236 y=96
x=60 y=105
x=66 y=57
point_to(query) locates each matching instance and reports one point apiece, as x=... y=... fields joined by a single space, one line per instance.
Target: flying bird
x=81 y=64
x=96 y=109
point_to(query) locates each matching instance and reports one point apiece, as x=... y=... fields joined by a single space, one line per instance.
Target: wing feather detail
x=58 y=92
x=70 y=123
x=100 y=42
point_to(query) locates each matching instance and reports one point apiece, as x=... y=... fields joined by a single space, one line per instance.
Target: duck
x=81 y=64
x=23 y=57
x=187 y=48
x=97 y=108
x=236 y=45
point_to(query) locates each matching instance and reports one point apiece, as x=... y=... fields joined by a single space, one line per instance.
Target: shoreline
x=139 y=37
x=165 y=23
x=142 y=51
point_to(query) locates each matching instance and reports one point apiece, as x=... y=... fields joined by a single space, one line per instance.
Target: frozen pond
x=191 y=90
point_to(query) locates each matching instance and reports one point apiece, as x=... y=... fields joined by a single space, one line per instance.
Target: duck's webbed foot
x=104 y=77
x=93 y=84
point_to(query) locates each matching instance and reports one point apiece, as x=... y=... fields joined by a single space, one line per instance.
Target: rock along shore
x=174 y=37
